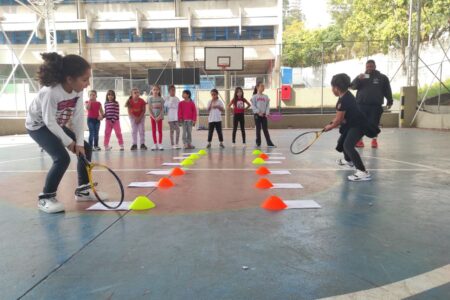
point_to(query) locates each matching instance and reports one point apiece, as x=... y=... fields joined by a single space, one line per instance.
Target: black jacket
x=373 y=90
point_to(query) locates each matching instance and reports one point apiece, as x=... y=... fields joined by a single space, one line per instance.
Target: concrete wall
x=432 y=121
x=9 y=126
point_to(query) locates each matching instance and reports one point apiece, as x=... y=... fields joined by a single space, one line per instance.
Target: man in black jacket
x=372 y=87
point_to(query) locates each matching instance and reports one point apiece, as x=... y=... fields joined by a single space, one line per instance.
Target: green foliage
x=382 y=22
x=434 y=90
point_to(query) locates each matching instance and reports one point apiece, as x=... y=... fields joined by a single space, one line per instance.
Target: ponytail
x=255 y=90
x=55 y=69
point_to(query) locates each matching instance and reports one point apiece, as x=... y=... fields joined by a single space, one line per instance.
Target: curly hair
x=56 y=68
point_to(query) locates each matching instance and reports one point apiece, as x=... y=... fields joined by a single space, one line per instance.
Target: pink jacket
x=187 y=111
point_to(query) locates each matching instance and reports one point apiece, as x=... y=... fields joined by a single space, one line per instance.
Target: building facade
x=125 y=38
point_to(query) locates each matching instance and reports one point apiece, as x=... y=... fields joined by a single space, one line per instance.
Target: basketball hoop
x=223 y=66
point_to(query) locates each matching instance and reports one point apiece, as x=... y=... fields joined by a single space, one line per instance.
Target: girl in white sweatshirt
x=58 y=101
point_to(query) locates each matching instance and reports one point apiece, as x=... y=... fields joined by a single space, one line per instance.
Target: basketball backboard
x=224 y=58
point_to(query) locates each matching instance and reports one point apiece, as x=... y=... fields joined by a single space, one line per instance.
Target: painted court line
x=251 y=170
x=404 y=288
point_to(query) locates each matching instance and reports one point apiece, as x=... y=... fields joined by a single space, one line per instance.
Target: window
x=227 y=33
x=20 y=37
x=129 y=36
x=67 y=37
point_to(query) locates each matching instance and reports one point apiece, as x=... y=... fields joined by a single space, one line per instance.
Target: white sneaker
x=360 y=176
x=49 y=204
x=343 y=162
x=161 y=147
x=122 y=148
x=85 y=193
x=108 y=148
x=177 y=146
x=233 y=145
x=155 y=147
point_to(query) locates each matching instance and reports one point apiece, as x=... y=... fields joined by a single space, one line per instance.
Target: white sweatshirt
x=54 y=107
x=260 y=104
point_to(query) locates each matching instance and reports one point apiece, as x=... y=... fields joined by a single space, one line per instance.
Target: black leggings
x=239 y=119
x=347 y=143
x=61 y=159
x=261 y=123
x=218 y=127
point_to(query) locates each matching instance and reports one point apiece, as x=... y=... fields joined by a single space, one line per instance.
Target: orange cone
x=165 y=183
x=262 y=171
x=273 y=203
x=264 y=183
x=264 y=156
x=177 y=172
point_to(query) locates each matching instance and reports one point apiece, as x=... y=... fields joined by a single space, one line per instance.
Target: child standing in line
x=238 y=104
x=156 y=108
x=112 y=116
x=215 y=108
x=136 y=110
x=261 y=109
x=95 y=115
x=58 y=101
x=171 y=103
x=187 y=116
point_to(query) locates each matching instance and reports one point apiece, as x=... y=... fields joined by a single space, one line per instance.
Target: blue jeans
x=94 y=128
x=61 y=159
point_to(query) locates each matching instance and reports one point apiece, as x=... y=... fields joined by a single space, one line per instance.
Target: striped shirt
x=112 y=111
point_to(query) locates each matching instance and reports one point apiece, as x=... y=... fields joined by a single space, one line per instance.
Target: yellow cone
x=258 y=161
x=187 y=162
x=141 y=203
x=194 y=156
x=257 y=152
x=202 y=152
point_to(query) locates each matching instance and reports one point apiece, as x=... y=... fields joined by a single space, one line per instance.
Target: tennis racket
x=105 y=184
x=305 y=140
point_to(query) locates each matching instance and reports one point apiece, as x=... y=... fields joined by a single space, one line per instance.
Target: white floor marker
x=287 y=186
x=277 y=157
x=301 y=204
x=171 y=164
x=159 y=172
x=269 y=162
x=280 y=172
x=145 y=184
x=99 y=206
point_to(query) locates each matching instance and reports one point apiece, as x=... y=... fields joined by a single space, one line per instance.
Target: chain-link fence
x=122 y=68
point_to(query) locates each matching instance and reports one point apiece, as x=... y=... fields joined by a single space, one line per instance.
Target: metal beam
x=19 y=58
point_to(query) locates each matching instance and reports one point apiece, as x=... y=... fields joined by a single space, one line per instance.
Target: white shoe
x=49 y=204
x=343 y=162
x=122 y=148
x=233 y=145
x=161 y=147
x=155 y=147
x=108 y=148
x=360 y=176
x=177 y=146
x=85 y=193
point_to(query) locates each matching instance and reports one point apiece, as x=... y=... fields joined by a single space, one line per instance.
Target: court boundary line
x=54 y=270
x=403 y=288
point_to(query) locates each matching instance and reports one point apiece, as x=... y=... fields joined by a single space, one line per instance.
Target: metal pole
x=440 y=87
x=227 y=98
x=131 y=74
x=321 y=84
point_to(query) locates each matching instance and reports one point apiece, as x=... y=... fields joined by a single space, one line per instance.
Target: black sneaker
x=143 y=147
x=271 y=146
x=208 y=146
x=222 y=145
x=134 y=147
